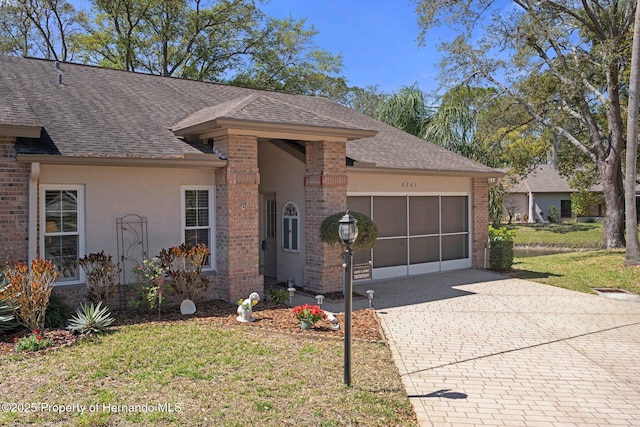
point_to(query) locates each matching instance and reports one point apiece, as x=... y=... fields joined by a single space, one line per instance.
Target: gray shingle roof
x=260 y=108
x=110 y=113
x=14 y=108
x=545 y=179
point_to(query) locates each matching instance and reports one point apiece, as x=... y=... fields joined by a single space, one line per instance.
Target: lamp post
x=348 y=232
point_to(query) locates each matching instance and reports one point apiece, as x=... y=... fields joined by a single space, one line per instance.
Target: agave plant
x=90 y=319
x=7 y=321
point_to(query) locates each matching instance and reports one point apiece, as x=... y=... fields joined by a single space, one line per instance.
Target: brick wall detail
x=237 y=217
x=325 y=194
x=14 y=204
x=480 y=222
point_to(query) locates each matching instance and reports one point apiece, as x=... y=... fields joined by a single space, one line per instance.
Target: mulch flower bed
x=365 y=325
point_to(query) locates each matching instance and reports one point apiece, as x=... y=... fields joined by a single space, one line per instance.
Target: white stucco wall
x=113 y=192
x=283 y=175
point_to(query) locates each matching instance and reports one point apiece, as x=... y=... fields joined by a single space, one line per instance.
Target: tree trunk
x=611 y=175
x=633 y=245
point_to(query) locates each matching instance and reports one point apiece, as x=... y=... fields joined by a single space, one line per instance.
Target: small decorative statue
x=245 y=308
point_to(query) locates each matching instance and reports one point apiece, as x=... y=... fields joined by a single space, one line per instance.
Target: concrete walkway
x=475 y=349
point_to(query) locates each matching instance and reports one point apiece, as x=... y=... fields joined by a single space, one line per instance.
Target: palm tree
x=406 y=110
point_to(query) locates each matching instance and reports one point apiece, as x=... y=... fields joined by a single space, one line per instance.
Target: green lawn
x=568 y=235
x=582 y=270
x=195 y=373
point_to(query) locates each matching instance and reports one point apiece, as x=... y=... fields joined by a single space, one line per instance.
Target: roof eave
x=187 y=160
x=471 y=174
x=22 y=131
x=273 y=129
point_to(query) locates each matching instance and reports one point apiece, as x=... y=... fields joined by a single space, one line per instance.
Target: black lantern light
x=348 y=231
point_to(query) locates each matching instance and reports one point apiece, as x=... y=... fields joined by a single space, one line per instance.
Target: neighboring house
x=531 y=198
x=95 y=160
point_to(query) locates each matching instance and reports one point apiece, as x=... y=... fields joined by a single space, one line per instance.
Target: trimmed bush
x=367 y=231
x=501 y=255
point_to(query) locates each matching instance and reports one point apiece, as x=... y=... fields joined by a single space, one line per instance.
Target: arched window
x=290 y=228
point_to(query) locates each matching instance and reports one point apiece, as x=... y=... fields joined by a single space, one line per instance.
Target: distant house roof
x=87 y=111
x=545 y=179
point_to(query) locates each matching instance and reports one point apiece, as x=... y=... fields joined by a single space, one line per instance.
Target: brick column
x=14 y=204
x=325 y=194
x=237 y=219
x=480 y=221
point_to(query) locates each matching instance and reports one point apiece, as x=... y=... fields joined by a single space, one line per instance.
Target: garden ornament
x=245 y=308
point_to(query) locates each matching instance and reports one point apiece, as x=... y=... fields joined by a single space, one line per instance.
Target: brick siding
x=237 y=217
x=325 y=194
x=480 y=222
x=14 y=204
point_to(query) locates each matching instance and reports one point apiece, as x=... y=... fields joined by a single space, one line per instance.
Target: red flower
x=35 y=332
x=39 y=337
x=312 y=313
x=15 y=339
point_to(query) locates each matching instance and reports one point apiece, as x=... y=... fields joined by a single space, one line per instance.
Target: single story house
x=531 y=198
x=95 y=159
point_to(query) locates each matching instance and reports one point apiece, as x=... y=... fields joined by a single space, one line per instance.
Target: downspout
x=33 y=211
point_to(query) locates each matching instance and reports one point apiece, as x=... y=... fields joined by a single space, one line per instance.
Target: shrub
x=28 y=291
x=33 y=342
x=57 y=312
x=90 y=319
x=150 y=284
x=367 y=231
x=102 y=276
x=501 y=255
x=183 y=265
x=278 y=295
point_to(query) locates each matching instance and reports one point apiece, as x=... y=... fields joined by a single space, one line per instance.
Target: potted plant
x=308 y=315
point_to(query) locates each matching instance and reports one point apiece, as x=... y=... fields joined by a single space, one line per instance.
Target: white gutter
x=33 y=211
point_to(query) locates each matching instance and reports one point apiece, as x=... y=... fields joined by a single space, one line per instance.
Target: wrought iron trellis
x=133 y=247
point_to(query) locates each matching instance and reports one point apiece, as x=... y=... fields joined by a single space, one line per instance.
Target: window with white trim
x=290 y=228
x=198 y=217
x=62 y=229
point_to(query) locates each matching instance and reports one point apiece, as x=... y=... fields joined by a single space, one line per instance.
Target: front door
x=269 y=243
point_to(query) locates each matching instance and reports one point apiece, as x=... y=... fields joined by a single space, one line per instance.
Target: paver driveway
x=476 y=348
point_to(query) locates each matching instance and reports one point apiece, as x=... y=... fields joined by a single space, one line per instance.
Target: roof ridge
x=145 y=74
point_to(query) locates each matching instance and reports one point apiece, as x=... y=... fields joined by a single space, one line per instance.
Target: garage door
x=416 y=234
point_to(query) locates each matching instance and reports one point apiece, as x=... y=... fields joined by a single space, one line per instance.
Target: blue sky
x=377 y=39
